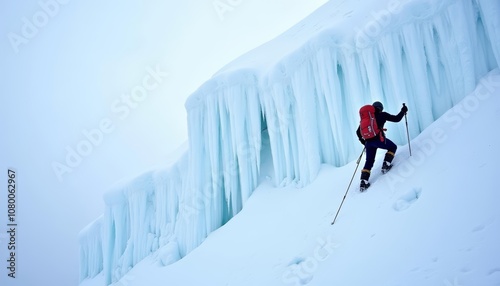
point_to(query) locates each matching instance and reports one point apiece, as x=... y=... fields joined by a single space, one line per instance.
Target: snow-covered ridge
x=303 y=89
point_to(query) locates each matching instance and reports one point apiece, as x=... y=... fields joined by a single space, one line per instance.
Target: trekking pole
x=357 y=165
x=407 y=132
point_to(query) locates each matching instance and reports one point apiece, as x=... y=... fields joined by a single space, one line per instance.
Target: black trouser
x=371 y=151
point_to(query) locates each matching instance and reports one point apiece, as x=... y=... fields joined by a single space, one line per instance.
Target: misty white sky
x=68 y=67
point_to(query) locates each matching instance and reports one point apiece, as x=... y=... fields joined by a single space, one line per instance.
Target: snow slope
x=301 y=89
x=432 y=220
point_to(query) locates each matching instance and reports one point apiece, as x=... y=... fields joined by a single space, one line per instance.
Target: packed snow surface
x=283 y=116
x=432 y=220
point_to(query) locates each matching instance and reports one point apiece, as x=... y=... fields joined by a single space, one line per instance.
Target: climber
x=371 y=134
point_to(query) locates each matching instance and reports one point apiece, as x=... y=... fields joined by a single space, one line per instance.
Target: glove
x=404 y=109
x=362 y=141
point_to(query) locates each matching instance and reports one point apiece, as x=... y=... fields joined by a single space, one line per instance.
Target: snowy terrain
x=432 y=220
x=271 y=148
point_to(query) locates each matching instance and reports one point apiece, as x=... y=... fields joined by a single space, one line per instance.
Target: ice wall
x=311 y=80
x=304 y=88
x=91 y=255
x=139 y=219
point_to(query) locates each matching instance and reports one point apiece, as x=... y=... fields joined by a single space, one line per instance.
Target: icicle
x=305 y=88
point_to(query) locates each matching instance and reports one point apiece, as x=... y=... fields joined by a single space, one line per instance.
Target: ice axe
x=407 y=132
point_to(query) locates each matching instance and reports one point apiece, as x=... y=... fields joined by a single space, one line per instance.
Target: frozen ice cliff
x=303 y=90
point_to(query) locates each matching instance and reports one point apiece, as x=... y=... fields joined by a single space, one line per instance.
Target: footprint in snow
x=298 y=272
x=494 y=271
x=348 y=14
x=407 y=199
x=483 y=226
x=479 y=228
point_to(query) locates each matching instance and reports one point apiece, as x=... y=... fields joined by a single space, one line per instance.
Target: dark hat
x=378 y=105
